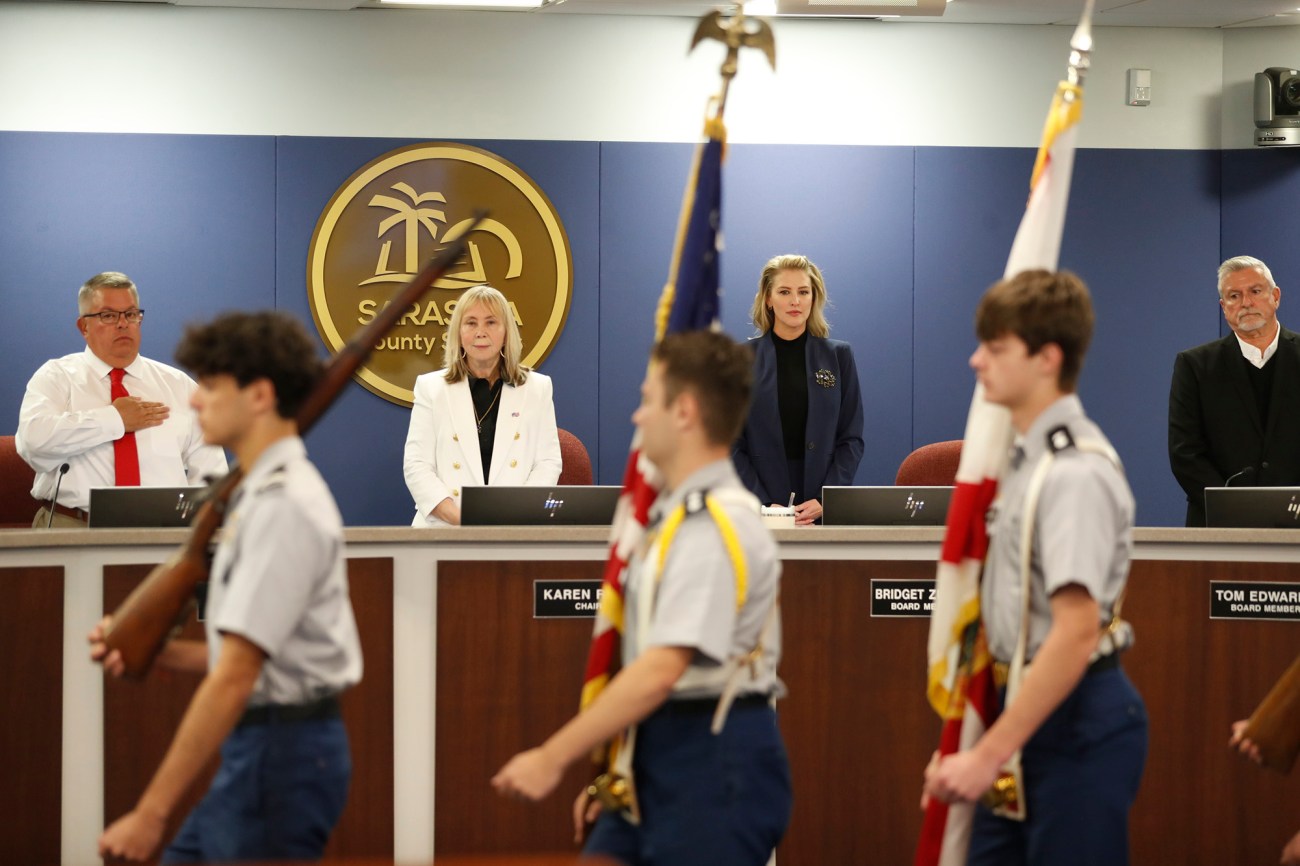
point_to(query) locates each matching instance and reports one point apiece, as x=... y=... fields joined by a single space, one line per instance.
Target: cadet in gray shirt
x=695 y=600
x=1083 y=533
x=1080 y=726
x=282 y=640
x=708 y=766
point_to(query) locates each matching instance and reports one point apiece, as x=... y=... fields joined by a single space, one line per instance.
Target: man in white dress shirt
x=139 y=430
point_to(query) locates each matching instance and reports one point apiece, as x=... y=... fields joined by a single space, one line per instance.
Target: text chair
x=575 y=463
x=17 y=508
x=933 y=465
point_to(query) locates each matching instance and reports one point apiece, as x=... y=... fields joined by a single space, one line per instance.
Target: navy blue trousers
x=705 y=800
x=1082 y=770
x=277 y=796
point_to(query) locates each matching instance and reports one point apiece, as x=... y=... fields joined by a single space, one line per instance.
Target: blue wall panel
x=908 y=239
x=968 y=204
x=640 y=197
x=1143 y=231
x=189 y=218
x=1261 y=188
x=359 y=444
x=848 y=208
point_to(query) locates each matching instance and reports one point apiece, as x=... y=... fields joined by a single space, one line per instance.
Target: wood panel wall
x=1199 y=802
x=856 y=722
x=505 y=682
x=366 y=826
x=31 y=733
x=140 y=718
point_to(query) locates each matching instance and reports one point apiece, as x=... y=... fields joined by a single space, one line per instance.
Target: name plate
x=902 y=597
x=555 y=599
x=1233 y=599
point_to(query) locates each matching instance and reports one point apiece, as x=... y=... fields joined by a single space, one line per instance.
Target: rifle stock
x=142 y=624
x=1274 y=727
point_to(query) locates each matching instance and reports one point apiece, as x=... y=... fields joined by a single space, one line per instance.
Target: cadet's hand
x=1243 y=745
x=806 y=513
x=586 y=809
x=930 y=769
x=111 y=661
x=1291 y=853
x=960 y=778
x=138 y=414
x=134 y=836
x=529 y=775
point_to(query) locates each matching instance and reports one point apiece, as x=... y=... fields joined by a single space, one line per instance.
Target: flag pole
x=736 y=31
x=689 y=302
x=960 y=684
x=1081 y=48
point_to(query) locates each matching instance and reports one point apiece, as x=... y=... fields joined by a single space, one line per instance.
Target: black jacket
x=1215 y=430
x=834 y=433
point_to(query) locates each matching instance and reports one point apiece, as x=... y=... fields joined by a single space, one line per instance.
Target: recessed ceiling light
x=470 y=4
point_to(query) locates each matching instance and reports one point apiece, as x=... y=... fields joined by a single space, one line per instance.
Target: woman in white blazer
x=482 y=419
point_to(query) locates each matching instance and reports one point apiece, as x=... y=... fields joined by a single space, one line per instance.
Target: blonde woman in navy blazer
x=804 y=429
x=483 y=419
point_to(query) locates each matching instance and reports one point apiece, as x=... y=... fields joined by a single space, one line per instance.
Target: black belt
x=74 y=513
x=280 y=714
x=1105 y=663
x=697 y=706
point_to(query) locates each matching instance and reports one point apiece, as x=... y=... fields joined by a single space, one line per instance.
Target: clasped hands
x=962 y=777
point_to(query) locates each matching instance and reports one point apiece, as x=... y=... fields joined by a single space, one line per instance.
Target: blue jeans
x=1081 y=768
x=277 y=796
x=705 y=800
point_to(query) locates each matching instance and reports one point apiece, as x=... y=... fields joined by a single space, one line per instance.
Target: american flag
x=689 y=302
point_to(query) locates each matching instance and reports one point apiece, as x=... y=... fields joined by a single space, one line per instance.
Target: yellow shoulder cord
x=730 y=541
x=616 y=789
x=739 y=567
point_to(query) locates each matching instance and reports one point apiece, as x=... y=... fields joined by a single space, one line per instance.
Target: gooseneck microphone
x=58 y=482
x=1248 y=471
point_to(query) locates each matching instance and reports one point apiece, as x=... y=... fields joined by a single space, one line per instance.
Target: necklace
x=478 y=419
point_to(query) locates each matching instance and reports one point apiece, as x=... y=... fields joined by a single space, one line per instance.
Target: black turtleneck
x=487 y=403
x=792 y=393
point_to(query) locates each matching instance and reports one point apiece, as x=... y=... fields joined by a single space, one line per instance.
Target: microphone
x=1248 y=471
x=63 y=470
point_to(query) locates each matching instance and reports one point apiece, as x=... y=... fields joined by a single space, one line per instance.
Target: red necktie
x=126 y=458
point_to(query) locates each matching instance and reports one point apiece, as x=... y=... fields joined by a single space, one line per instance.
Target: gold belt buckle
x=612 y=791
x=1001 y=672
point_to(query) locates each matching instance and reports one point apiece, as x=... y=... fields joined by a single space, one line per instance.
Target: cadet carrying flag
x=689 y=302
x=960 y=685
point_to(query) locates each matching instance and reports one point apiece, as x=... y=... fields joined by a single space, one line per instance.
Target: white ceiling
x=1114 y=13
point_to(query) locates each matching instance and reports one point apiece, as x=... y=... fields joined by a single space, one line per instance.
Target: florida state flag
x=960 y=678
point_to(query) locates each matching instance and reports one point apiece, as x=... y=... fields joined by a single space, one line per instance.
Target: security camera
x=1277 y=107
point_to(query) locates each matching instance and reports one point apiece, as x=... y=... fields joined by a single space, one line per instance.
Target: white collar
x=1255 y=356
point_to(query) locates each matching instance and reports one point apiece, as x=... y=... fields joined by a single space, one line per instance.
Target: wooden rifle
x=1274 y=727
x=145 y=621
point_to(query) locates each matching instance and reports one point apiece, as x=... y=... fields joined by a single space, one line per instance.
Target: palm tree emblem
x=413 y=213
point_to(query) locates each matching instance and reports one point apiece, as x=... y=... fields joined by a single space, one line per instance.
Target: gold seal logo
x=396 y=212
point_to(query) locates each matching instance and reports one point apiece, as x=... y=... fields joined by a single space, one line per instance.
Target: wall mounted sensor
x=1139 y=87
